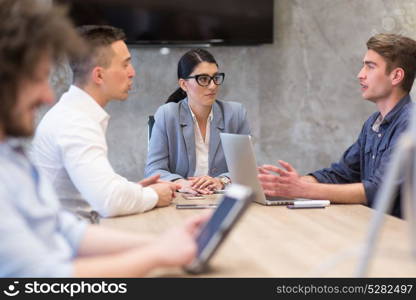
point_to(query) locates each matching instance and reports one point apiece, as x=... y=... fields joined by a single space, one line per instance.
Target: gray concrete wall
x=302 y=95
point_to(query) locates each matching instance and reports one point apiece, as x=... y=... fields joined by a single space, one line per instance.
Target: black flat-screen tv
x=176 y=22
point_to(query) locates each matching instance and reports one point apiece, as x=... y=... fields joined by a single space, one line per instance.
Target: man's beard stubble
x=14 y=127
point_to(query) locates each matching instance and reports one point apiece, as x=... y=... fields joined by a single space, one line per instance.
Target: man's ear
x=397 y=76
x=182 y=84
x=97 y=75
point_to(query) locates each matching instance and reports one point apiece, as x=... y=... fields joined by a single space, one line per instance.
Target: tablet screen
x=214 y=223
x=233 y=204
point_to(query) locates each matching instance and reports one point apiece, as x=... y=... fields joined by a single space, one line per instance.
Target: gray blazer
x=172 y=145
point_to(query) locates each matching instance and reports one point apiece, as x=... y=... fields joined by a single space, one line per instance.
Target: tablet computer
x=230 y=208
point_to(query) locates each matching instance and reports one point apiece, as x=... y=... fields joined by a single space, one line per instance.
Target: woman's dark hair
x=186 y=66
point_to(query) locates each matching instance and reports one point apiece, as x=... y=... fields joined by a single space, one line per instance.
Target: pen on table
x=310 y=204
x=196 y=205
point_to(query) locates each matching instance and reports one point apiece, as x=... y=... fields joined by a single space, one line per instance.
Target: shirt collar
x=81 y=98
x=18 y=144
x=12 y=146
x=391 y=115
x=13 y=142
x=7 y=145
x=210 y=116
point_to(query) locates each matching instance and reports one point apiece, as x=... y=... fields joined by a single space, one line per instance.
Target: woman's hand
x=185 y=186
x=205 y=184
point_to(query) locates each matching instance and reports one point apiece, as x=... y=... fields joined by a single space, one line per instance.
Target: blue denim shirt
x=365 y=161
x=38 y=238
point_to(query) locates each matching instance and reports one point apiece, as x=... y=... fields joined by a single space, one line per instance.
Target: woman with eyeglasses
x=185 y=145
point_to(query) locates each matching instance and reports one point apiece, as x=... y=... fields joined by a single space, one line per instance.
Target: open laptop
x=241 y=162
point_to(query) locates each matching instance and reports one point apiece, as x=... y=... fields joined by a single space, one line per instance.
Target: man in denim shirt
x=386 y=79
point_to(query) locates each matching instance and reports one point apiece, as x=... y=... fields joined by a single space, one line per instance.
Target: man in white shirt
x=70 y=145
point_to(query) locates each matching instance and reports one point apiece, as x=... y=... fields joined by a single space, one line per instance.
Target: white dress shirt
x=201 y=146
x=71 y=149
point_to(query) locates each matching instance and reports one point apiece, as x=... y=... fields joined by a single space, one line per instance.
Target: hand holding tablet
x=231 y=207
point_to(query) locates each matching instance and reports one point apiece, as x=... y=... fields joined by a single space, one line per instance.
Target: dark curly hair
x=29 y=29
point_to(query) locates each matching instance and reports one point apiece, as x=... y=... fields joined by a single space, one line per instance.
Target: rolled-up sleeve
x=72 y=229
x=367 y=160
x=347 y=170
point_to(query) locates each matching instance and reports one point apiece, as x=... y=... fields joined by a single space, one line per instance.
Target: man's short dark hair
x=98 y=39
x=399 y=52
x=30 y=29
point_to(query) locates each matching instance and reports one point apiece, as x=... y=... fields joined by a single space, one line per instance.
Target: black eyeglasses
x=205 y=79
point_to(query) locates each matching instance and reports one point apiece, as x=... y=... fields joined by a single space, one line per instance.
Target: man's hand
x=156 y=179
x=165 y=191
x=193 y=225
x=149 y=180
x=177 y=247
x=289 y=184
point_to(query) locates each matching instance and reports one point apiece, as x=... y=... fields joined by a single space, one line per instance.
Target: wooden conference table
x=280 y=242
